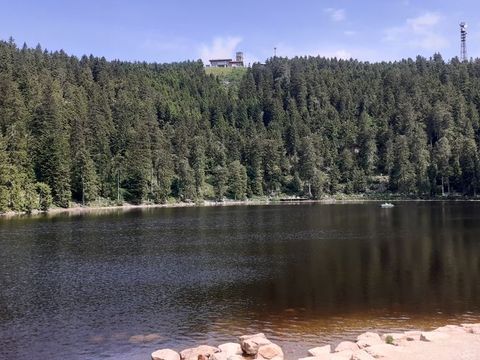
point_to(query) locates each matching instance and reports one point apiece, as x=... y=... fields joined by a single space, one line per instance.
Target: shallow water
x=90 y=286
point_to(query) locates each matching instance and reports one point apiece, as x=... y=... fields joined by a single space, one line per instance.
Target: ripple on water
x=121 y=285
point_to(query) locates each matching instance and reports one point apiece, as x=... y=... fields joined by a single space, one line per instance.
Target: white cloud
x=424 y=22
x=421 y=32
x=336 y=14
x=220 y=47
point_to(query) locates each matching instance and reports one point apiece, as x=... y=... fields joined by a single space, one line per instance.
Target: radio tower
x=463 y=41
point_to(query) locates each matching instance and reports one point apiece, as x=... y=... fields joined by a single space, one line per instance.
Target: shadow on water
x=121 y=284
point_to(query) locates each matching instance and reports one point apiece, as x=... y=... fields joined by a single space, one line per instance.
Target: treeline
x=90 y=130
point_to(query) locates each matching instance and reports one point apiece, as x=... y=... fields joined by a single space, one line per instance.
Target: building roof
x=213 y=60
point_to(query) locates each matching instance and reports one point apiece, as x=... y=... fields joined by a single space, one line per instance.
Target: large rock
x=231 y=349
x=165 y=354
x=472 y=328
x=224 y=356
x=327 y=349
x=251 y=343
x=346 y=345
x=341 y=355
x=382 y=350
x=220 y=356
x=362 y=355
x=451 y=329
x=270 y=352
x=237 y=357
x=433 y=336
x=368 y=339
x=470 y=325
x=413 y=335
x=475 y=330
x=204 y=351
x=395 y=338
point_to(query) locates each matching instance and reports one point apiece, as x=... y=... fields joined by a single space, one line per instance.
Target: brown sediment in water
x=296 y=331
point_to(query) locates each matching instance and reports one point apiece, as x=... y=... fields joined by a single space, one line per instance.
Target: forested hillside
x=90 y=130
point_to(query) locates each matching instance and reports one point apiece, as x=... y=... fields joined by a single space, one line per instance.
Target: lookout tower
x=239 y=56
x=463 y=41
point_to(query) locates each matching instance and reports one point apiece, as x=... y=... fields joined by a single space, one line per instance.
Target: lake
x=92 y=286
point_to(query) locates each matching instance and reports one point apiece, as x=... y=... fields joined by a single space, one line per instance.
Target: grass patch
x=227 y=76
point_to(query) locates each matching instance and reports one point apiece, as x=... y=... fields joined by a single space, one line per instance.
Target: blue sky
x=165 y=31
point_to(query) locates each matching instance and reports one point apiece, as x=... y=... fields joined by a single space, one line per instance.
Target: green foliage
x=4 y=198
x=44 y=196
x=229 y=77
x=238 y=180
x=52 y=149
x=90 y=130
x=220 y=182
x=318 y=184
x=308 y=164
x=359 y=181
x=389 y=340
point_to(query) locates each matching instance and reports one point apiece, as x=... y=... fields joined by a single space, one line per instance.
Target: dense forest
x=94 y=131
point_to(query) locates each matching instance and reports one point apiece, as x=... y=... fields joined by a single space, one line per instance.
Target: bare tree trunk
x=118 y=186
x=83 y=192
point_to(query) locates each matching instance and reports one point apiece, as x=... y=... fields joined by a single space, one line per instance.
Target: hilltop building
x=238 y=62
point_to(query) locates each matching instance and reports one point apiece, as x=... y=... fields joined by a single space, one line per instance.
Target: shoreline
x=79 y=209
x=443 y=343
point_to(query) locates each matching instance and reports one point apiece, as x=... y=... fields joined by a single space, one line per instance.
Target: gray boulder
x=251 y=343
x=165 y=354
x=270 y=352
x=319 y=350
x=204 y=351
x=368 y=339
x=346 y=345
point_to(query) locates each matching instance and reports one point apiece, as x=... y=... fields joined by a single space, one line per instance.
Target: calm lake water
x=85 y=286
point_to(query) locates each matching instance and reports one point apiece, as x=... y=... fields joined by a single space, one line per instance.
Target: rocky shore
x=459 y=342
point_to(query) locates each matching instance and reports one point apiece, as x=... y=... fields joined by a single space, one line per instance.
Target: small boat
x=387 y=205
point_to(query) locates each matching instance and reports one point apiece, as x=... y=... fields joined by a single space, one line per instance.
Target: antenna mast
x=463 y=41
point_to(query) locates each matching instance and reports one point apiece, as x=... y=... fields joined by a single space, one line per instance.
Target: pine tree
x=403 y=173
x=198 y=165
x=220 y=182
x=5 y=183
x=443 y=153
x=469 y=162
x=138 y=165
x=367 y=144
x=307 y=164
x=185 y=182
x=52 y=150
x=237 y=183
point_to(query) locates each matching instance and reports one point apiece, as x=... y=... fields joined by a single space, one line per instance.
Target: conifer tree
x=52 y=151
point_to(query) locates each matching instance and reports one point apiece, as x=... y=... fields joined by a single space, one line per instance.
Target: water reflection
x=84 y=286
